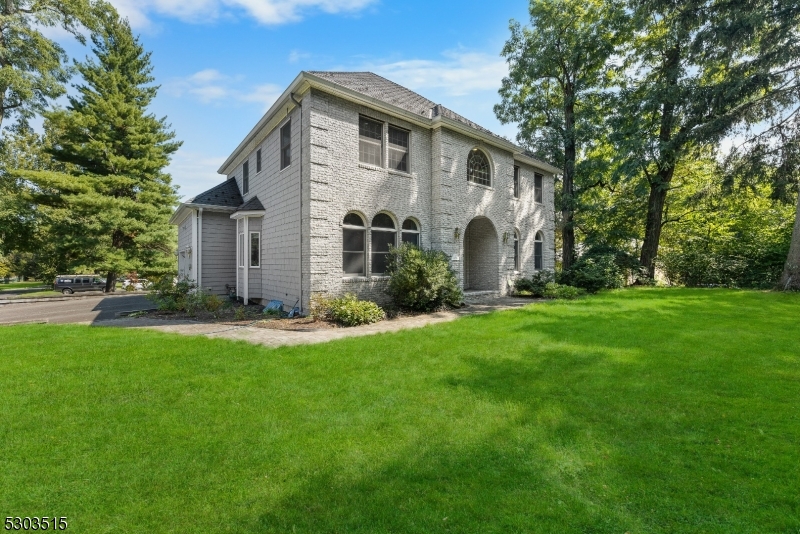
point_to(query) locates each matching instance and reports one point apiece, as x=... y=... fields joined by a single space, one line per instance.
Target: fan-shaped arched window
x=516 y=250
x=384 y=236
x=353 y=244
x=410 y=232
x=538 y=251
x=478 y=168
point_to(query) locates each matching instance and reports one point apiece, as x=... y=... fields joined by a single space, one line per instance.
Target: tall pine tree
x=113 y=210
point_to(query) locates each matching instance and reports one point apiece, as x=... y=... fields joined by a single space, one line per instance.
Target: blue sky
x=222 y=63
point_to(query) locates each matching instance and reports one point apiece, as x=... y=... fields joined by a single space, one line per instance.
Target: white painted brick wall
x=435 y=193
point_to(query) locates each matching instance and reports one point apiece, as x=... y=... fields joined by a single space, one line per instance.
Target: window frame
x=245 y=177
x=372 y=235
x=416 y=232
x=258 y=161
x=538 y=251
x=363 y=252
x=390 y=146
x=472 y=153
x=517 y=177
x=371 y=140
x=250 y=250
x=538 y=188
x=286 y=144
x=517 y=263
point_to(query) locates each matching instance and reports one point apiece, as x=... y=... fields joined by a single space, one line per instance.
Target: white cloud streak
x=459 y=74
x=210 y=86
x=267 y=12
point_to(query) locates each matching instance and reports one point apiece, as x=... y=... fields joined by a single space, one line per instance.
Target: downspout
x=200 y=250
x=297 y=102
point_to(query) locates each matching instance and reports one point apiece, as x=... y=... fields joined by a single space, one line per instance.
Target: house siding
x=218 y=252
x=279 y=192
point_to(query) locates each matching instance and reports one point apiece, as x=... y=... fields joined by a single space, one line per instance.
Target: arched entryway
x=481 y=259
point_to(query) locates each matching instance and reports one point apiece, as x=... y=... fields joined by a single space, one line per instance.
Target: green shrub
x=350 y=311
x=171 y=295
x=595 y=272
x=422 y=280
x=535 y=285
x=561 y=291
x=202 y=301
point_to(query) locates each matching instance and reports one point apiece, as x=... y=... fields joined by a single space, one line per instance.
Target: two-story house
x=345 y=165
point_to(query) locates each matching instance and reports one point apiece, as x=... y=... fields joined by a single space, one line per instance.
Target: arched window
x=478 y=168
x=538 y=252
x=353 y=241
x=384 y=235
x=516 y=250
x=410 y=232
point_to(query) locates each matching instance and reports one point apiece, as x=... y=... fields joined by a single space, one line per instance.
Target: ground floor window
x=353 y=245
x=538 y=252
x=410 y=232
x=516 y=250
x=255 y=242
x=241 y=249
x=384 y=236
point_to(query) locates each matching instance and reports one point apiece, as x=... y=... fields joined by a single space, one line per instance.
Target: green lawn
x=645 y=410
x=22 y=285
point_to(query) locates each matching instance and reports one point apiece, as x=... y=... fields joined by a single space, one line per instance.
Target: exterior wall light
x=456 y=233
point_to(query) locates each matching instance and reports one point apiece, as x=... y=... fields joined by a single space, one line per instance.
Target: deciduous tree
x=557 y=68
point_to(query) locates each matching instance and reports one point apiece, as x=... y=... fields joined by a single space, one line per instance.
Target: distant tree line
x=89 y=193
x=676 y=125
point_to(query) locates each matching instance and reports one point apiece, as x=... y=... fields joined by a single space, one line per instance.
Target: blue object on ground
x=294 y=313
x=274 y=305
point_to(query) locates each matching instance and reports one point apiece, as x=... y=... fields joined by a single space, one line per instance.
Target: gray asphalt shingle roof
x=379 y=88
x=252 y=205
x=225 y=194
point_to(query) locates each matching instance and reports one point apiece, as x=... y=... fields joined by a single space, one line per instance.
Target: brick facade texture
x=305 y=203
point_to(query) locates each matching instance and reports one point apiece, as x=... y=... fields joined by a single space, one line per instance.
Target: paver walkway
x=277 y=338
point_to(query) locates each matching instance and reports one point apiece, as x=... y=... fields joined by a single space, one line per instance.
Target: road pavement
x=89 y=310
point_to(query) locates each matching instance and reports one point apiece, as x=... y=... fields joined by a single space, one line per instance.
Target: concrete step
x=479 y=295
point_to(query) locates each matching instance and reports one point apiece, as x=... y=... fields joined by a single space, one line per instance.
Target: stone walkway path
x=277 y=338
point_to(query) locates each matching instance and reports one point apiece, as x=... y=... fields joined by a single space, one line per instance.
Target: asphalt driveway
x=77 y=310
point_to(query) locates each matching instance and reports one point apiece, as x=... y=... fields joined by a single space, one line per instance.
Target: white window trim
x=250 y=250
x=384 y=143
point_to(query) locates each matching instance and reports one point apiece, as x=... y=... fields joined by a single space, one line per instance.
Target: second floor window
x=370 y=141
x=258 y=160
x=398 y=149
x=246 y=177
x=516 y=182
x=478 y=168
x=537 y=188
x=286 y=145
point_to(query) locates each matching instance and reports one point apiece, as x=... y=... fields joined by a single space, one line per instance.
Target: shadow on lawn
x=608 y=430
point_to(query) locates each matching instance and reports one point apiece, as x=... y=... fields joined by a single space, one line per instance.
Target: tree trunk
x=659 y=185
x=568 y=193
x=791 y=271
x=111 y=282
x=652 y=232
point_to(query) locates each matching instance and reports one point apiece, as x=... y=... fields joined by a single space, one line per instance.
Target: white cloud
x=459 y=74
x=210 y=86
x=268 y=12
